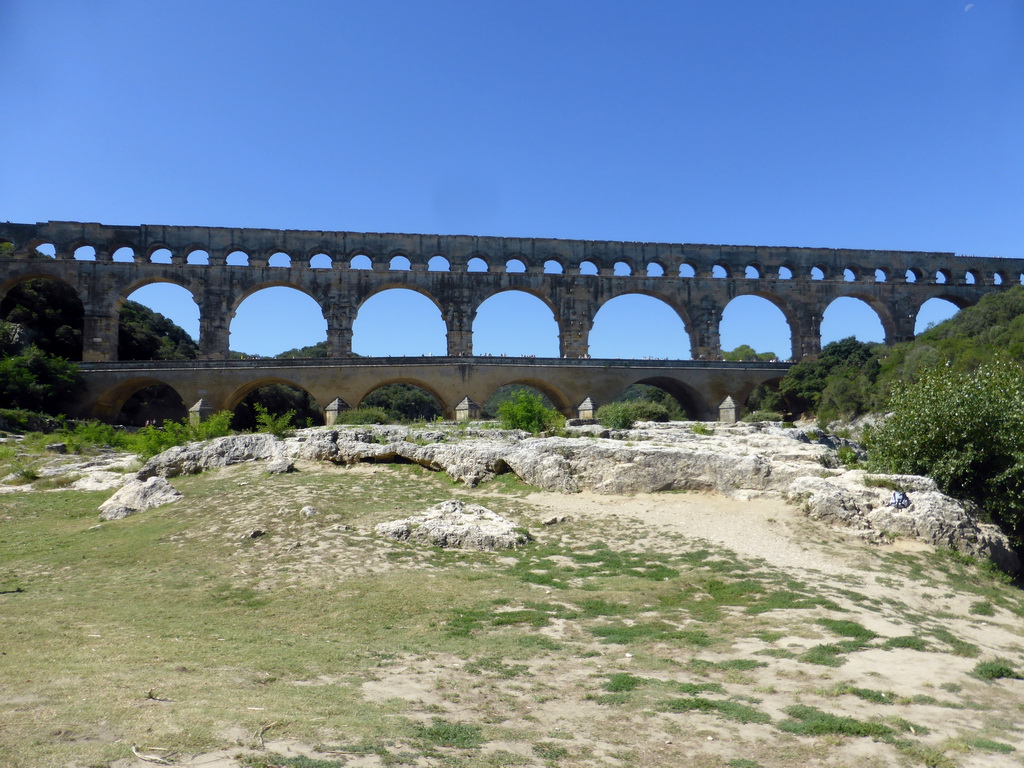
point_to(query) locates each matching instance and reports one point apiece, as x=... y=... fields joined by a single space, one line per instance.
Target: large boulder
x=457 y=525
x=193 y=458
x=137 y=496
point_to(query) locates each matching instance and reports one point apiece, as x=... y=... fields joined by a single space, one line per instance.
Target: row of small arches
x=439 y=263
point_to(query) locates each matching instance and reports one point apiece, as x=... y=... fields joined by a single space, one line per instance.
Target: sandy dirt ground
x=764 y=530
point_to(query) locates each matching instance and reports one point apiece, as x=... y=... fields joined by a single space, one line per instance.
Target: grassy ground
x=180 y=631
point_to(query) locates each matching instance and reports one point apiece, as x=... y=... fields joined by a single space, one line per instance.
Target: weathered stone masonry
x=218 y=289
x=783 y=276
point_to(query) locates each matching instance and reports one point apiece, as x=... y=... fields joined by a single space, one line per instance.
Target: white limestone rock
x=456 y=525
x=740 y=460
x=138 y=496
x=100 y=480
x=194 y=458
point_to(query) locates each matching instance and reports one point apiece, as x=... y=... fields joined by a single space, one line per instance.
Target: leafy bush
x=847 y=456
x=995 y=670
x=403 y=402
x=364 y=415
x=279 y=425
x=149 y=441
x=87 y=435
x=763 y=416
x=966 y=431
x=21 y=420
x=527 y=411
x=623 y=415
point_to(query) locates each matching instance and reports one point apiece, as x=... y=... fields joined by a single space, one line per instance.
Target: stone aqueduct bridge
x=697 y=281
x=700 y=386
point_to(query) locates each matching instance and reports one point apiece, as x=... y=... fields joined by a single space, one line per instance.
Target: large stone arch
x=74 y=314
x=957 y=301
x=549 y=390
x=108 y=403
x=181 y=281
x=38 y=270
x=665 y=298
x=480 y=297
x=413 y=315
x=789 y=313
x=238 y=394
x=894 y=331
x=689 y=399
x=743 y=392
x=447 y=408
x=243 y=292
x=396 y=285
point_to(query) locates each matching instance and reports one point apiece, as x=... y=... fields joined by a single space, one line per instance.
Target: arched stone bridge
x=699 y=386
x=221 y=267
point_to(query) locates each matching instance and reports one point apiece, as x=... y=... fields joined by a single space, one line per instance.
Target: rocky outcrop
x=138 y=496
x=456 y=525
x=193 y=458
x=740 y=460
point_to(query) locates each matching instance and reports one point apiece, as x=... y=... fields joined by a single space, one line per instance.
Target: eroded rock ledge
x=742 y=461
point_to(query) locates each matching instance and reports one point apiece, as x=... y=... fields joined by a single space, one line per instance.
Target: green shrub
x=149 y=441
x=995 y=670
x=279 y=425
x=966 y=431
x=88 y=435
x=625 y=414
x=808 y=721
x=445 y=734
x=847 y=456
x=763 y=416
x=527 y=411
x=364 y=415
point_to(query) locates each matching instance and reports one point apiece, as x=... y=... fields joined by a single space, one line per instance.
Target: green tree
x=527 y=411
x=143 y=334
x=37 y=381
x=964 y=429
x=277 y=399
x=745 y=353
x=314 y=350
x=848 y=359
x=652 y=394
x=403 y=402
x=52 y=313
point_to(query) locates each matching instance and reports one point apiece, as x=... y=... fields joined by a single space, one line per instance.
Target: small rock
x=280 y=466
x=138 y=496
x=57 y=448
x=455 y=524
x=309 y=511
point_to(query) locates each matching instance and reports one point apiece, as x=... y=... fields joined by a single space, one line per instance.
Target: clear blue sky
x=852 y=124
